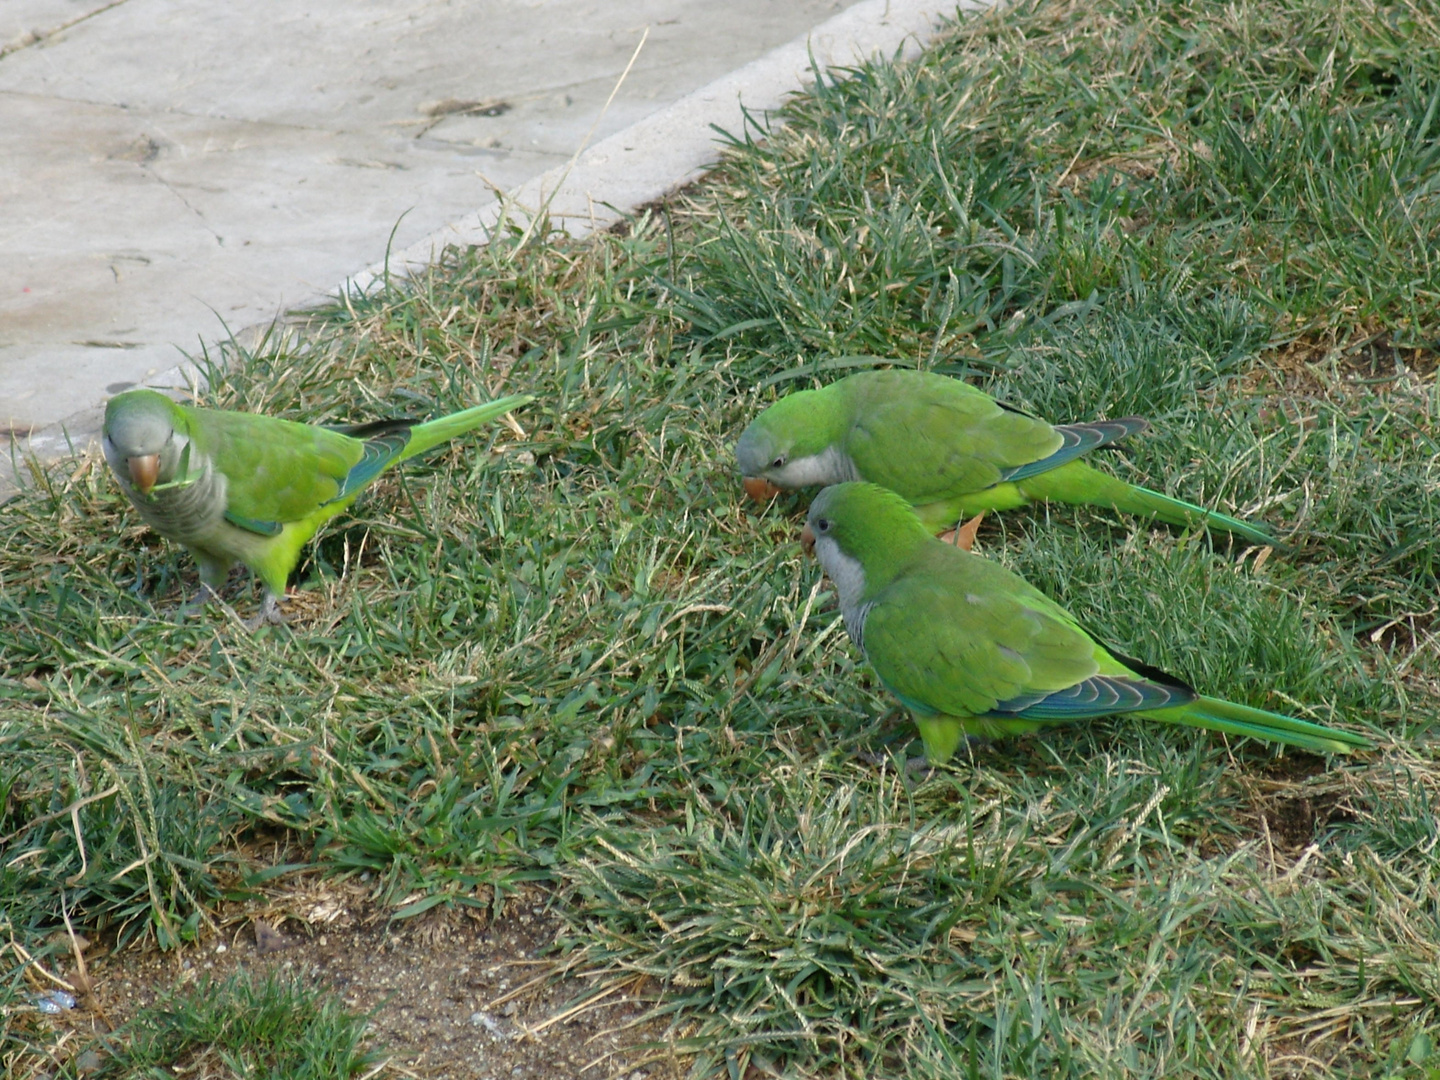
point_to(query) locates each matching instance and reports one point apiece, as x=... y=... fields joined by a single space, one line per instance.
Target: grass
x=268 y=1028
x=571 y=655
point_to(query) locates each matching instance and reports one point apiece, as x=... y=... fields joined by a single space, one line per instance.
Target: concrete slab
x=171 y=163
x=24 y=22
x=676 y=144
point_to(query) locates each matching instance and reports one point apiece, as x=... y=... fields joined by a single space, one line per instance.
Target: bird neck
x=187 y=507
x=832 y=465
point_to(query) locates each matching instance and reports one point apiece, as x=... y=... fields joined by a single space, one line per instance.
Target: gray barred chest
x=187 y=513
x=831 y=466
x=855 y=622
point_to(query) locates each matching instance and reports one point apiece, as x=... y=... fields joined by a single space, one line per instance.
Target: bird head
x=789 y=445
x=863 y=535
x=141 y=440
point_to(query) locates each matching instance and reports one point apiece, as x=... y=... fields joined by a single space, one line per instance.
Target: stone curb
x=657 y=155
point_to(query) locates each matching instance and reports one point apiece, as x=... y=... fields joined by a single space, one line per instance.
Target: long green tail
x=1077 y=482
x=435 y=432
x=387 y=442
x=1213 y=714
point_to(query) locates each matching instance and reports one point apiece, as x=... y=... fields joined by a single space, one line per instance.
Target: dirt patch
x=1381 y=358
x=1294 y=821
x=1321 y=367
x=1295 y=799
x=1145 y=164
x=451 y=995
x=1406 y=634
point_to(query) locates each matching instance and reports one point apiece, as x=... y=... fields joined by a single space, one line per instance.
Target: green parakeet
x=972 y=649
x=239 y=487
x=951 y=450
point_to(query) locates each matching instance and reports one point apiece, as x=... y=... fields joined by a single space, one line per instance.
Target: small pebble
x=55 y=1001
x=488 y=1022
x=222 y=947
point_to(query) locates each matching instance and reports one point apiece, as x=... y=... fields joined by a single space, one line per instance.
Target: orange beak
x=807 y=540
x=144 y=471
x=760 y=489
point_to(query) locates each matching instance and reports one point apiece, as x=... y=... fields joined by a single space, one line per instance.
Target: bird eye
x=778 y=463
x=823 y=524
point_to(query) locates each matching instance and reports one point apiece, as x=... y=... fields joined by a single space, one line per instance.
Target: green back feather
x=927 y=435
x=280 y=471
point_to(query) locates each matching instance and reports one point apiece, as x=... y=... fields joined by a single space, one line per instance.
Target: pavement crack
x=184 y=201
x=36 y=37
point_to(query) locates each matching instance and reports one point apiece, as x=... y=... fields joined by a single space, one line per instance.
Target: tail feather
x=387 y=442
x=1178 y=512
x=435 y=432
x=1077 y=482
x=1215 y=714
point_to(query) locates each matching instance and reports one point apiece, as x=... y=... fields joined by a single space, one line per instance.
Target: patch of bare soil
x=1381 y=358
x=450 y=995
x=1294 y=800
x=1318 y=366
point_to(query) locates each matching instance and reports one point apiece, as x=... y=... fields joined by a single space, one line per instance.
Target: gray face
x=756 y=452
x=138 y=431
x=135 y=432
x=760 y=454
x=842 y=569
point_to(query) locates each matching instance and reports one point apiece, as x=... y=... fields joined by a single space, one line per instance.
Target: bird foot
x=270 y=614
x=197 y=603
x=963 y=536
x=918 y=768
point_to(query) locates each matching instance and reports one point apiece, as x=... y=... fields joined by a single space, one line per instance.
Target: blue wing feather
x=1099 y=695
x=260 y=528
x=380 y=450
x=1080 y=439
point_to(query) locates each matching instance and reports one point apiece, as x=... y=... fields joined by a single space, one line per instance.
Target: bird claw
x=197 y=603
x=270 y=614
x=917 y=768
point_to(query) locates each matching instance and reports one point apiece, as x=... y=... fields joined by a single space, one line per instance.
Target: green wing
x=276 y=471
x=931 y=436
x=961 y=636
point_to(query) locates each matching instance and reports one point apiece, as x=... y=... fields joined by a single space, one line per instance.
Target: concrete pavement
x=167 y=164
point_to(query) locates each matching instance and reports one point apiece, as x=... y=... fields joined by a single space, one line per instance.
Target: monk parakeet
x=239 y=487
x=951 y=450
x=972 y=649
